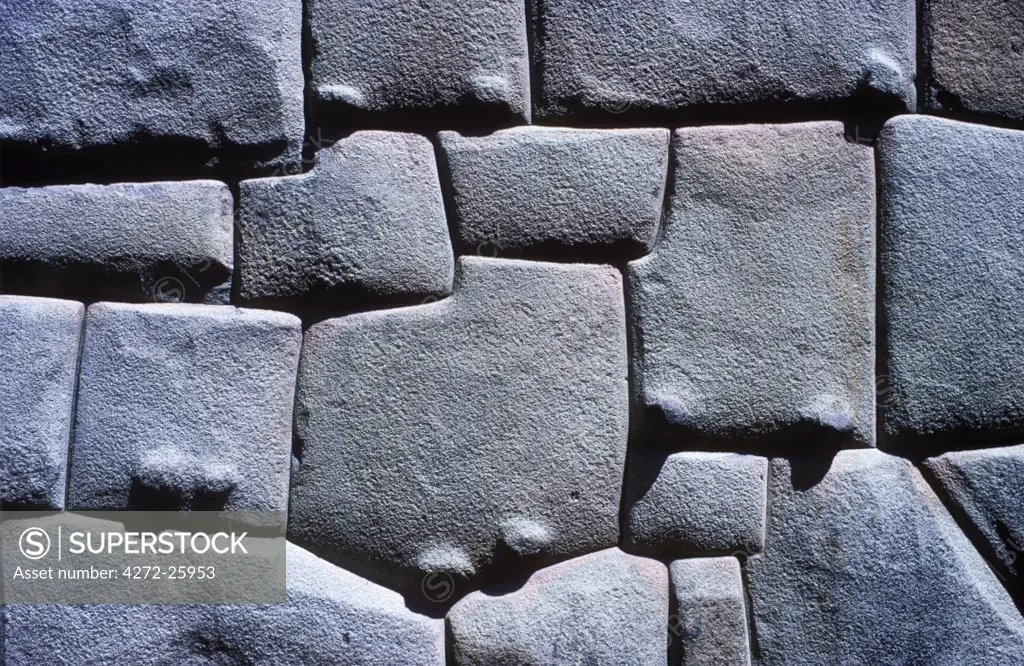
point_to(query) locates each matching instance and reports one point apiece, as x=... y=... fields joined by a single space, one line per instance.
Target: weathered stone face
x=468 y=435
x=709 y=625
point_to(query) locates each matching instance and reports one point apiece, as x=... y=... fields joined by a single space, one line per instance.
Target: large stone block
x=696 y=503
x=415 y=62
x=540 y=191
x=985 y=486
x=709 y=626
x=168 y=241
x=40 y=340
x=331 y=617
x=619 y=57
x=462 y=438
x=198 y=80
x=367 y=222
x=952 y=263
x=605 y=609
x=974 y=55
x=184 y=407
x=864 y=565
x=753 y=319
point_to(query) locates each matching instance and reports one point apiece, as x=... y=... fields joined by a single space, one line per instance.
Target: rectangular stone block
x=753 y=319
x=184 y=407
x=952 y=262
x=201 y=82
x=39 y=345
x=170 y=241
x=617 y=58
x=709 y=626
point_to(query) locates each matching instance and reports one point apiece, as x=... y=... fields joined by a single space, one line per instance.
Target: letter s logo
x=34 y=543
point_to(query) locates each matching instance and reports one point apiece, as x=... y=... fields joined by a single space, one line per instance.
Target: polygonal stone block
x=368 y=222
x=696 y=503
x=542 y=191
x=709 y=625
x=753 y=319
x=974 y=55
x=952 y=262
x=864 y=565
x=985 y=486
x=331 y=617
x=168 y=241
x=184 y=407
x=618 y=57
x=605 y=608
x=417 y=62
x=203 y=80
x=467 y=436
x=40 y=339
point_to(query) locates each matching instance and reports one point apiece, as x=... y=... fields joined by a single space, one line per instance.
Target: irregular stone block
x=974 y=57
x=205 y=80
x=865 y=566
x=605 y=608
x=536 y=191
x=369 y=220
x=184 y=407
x=465 y=437
x=331 y=617
x=129 y=241
x=40 y=339
x=696 y=503
x=416 y=62
x=986 y=486
x=753 y=319
x=710 y=624
x=952 y=262
x=618 y=57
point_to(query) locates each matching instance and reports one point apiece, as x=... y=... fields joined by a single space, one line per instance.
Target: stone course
x=562 y=332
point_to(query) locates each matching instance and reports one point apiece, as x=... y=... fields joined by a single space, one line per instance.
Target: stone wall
x=567 y=332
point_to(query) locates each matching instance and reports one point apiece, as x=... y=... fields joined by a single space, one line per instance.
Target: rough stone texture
x=415 y=61
x=39 y=339
x=986 y=487
x=184 y=407
x=465 y=436
x=617 y=57
x=696 y=503
x=754 y=317
x=130 y=241
x=607 y=608
x=974 y=54
x=866 y=566
x=709 y=627
x=536 y=191
x=952 y=260
x=331 y=617
x=214 y=79
x=369 y=220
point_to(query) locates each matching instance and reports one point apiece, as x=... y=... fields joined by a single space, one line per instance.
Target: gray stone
x=541 y=191
x=974 y=55
x=331 y=617
x=205 y=80
x=709 y=626
x=985 y=486
x=40 y=339
x=607 y=608
x=696 y=503
x=618 y=57
x=866 y=566
x=369 y=220
x=130 y=241
x=417 y=62
x=184 y=407
x=952 y=261
x=753 y=319
x=451 y=441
